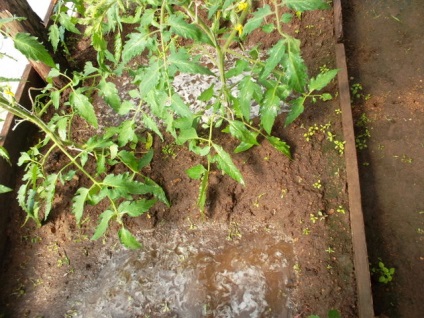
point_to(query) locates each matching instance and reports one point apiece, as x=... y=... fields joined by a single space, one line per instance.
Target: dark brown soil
x=385 y=43
x=46 y=268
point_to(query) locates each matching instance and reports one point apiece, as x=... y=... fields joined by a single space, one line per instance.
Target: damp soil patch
x=280 y=246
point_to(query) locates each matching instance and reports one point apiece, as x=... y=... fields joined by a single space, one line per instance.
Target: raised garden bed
x=280 y=246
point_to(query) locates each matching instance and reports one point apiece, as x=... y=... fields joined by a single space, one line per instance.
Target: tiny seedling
x=315 y=217
x=341 y=209
x=317 y=185
x=385 y=274
x=330 y=250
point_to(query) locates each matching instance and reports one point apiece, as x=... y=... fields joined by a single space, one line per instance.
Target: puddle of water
x=194 y=274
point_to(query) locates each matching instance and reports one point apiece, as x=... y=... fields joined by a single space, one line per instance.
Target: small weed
x=192 y=226
x=317 y=185
x=356 y=90
x=341 y=209
x=339 y=146
x=256 y=203
x=233 y=231
x=338 y=111
x=385 y=273
x=317 y=217
x=306 y=231
x=283 y=193
x=169 y=150
x=329 y=267
x=329 y=250
x=297 y=268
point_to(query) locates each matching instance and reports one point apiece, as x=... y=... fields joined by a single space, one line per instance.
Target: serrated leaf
x=240 y=131
x=182 y=28
x=136 y=208
x=296 y=110
x=196 y=172
x=239 y=68
x=247 y=89
x=4 y=189
x=256 y=20
x=151 y=124
x=103 y=224
x=180 y=107
x=294 y=66
x=223 y=159
x=83 y=107
x=326 y=97
x=126 y=132
x=136 y=44
x=110 y=94
x=55 y=96
x=62 y=128
x=4 y=154
x=207 y=94
x=268 y=28
x=280 y=145
x=269 y=109
x=67 y=22
x=286 y=17
x=275 y=55
x=29 y=46
x=54 y=36
x=78 y=202
x=186 y=134
x=183 y=62
x=156 y=190
x=128 y=240
x=243 y=146
x=89 y=68
x=322 y=80
x=306 y=5
x=149 y=78
x=49 y=186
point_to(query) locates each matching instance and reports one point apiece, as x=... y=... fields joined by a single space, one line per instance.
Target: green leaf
x=103 y=224
x=149 y=78
x=4 y=154
x=127 y=239
x=334 y=314
x=29 y=46
x=66 y=21
x=322 y=80
x=239 y=68
x=62 y=125
x=186 y=134
x=89 y=68
x=126 y=132
x=306 y=5
x=326 y=97
x=49 y=186
x=243 y=146
x=180 y=107
x=247 y=89
x=110 y=94
x=78 y=202
x=182 y=28
x=183 y=62
x=256 y=20
x=225 y=163
x=54 y=36
x=294 y=66
x=268 y=28
x=135 y=208
x=240 y=131
x=83 y=107
x=296 y=110
x=133 y=162
x=207 y=94
x=135 y=45
x=4 y=189
x=280 y=145
x=156 y=190
x=275 y=55
x=196 y=172
x=269 y=109
x=151 y=124
x=286 y=17
x=55 y=96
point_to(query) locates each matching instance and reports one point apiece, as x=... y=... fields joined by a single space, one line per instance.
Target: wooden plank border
x=360 y=254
